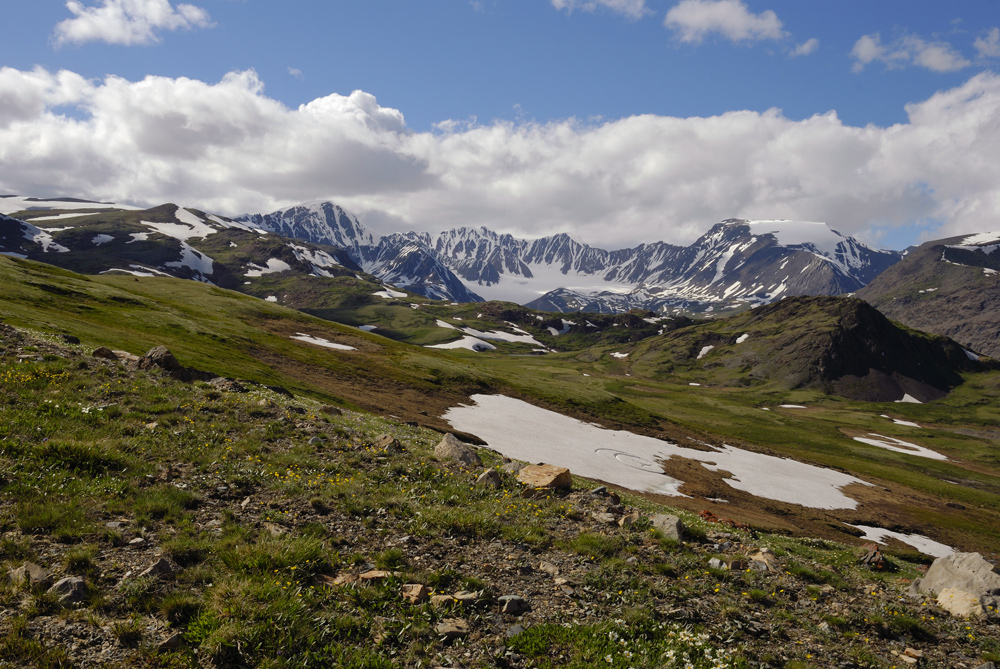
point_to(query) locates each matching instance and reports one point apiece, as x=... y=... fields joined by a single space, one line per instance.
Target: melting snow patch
x=182 y=231
x=467 y=342
x=367 y=328
x=138 y=237
x=791 y=406
x=704 y=351
x=908 y=399
x=898 y=446
x=972 y=356
x=389 y=294
x=102 y=239
x=445 y=324
x=319 y=341
x=525 y=432
x=982 y=238
x=742 y=338
x=271 y=298
x=918 y=541
x=620 y=356
x=273 y=267
x=904 y=422
x=695 y=384
x=194 y=260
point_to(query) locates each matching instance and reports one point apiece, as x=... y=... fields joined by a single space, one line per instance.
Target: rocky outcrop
x=965 y=584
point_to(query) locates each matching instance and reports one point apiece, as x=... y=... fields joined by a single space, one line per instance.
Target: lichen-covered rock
x=450 y=448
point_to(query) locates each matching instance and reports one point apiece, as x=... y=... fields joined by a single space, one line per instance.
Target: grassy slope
x=234 y=335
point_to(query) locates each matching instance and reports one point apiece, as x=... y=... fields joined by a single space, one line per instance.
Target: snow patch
x=969 y=354
x=791 y=406
x=467 y=342
x=891 y=444
x=388 y=294
x=908 y=399
x=271 y=298
x=704 y=351
x=102 y=239
x=273 y=267
x=742 y=338
x=526 y=432
x=194 y=260
x=138 y=237
x=918 y=541
x=319 y=341
x=367 y=328
x=620 y=356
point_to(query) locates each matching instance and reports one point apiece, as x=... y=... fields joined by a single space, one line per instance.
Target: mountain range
x=735 y=263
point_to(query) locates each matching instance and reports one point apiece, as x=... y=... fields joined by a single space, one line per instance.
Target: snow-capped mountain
x=737 y=261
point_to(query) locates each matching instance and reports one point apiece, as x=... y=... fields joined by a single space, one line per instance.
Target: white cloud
x=907 y=50
x=228 y=148
x=806 y=48
x=693 y=20
x=635 y=9
x=297 y=73
x=988 y=46
x=127 y=22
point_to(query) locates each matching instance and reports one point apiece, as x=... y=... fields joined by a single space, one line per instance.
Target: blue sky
x=517 y=114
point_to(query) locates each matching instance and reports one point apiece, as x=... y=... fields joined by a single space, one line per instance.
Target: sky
x=616 y=121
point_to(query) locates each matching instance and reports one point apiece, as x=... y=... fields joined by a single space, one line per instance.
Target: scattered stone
x=345 y=579
x=453 y=628
x=171 y=643
x=716 y=563
x=913 y=652
x=415 y=593
x=545 y=476
x=450 y=448
x=125 y=356
x=604 y=517
x=549 y=568
x=245 y=503
x=105 y=353
x=441 y=600
x=330 y=410
x=987 y=665
x=375 y=575
x=712 y=518
x=871 y=557
x=32 y=574
x=138 y=541
x=670 y=526
x=489 y=479
x=69 y=590
x=227 y=385
x=465 y=597
x=765 y=560
x=629 y=519
x=514 y=605
x=317 y=441
x=389 y=444
x=512 y=467
x=70 y=339
x=275 y=529
x=514 y=631
x=160 y=568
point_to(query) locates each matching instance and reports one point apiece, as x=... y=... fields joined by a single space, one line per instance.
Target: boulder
x=160 y=568
x=959 y=603
x=671 y=527
x=159 y=356
x=69 y=590
x=629 y=519
x=227 y=385
x=105 y=353
x=415 y=593
x=489 y=479
x=514 y=605
x=389 y=444
x=545 y=476
x=765 y=560
x=450 y=448
x=453 y=628
x=965 y=573
x=32 y=574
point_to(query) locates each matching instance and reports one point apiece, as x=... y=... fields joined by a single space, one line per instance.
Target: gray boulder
x=670 y=526
x=962 y=577
x=69 y=590
x=450 y=448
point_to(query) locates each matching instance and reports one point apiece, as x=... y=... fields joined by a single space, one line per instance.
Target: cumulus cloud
x=806 y=48
x=296 y=73
x=693 y=20
x=635 y=9
x=905 y=51
x=127 y=22
x=988 y=46
x=227 y=147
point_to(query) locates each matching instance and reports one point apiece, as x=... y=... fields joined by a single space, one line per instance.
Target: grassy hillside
x=286 y=533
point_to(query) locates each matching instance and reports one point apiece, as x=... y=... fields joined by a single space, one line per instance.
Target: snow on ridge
x=9 y=205
x=981 y=239
x=467 y=342
x=274 y=266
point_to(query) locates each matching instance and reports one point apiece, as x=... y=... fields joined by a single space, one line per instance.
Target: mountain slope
x=950 y=287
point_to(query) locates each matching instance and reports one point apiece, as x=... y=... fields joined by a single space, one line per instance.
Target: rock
x=514 y=605
x=125 y=356
x=913 y=652
x=604 y=517
x=70 y=339
x=872 y=557
x=962 y=572
x=227 y=385
x=137 y=542
x=549 y=568
x=69 y=590
x=171 y=643
x=160 y=568
x=105 y=353
x=415 y=593
x=375 y=575
x=514 y=631
x=441 y=600
x=453 y=628
x=671 y=527
x=512 y=467
x=389 y=444
x=489 y=479
x=765 y=560
x=330 y=410
x=545 y=476
x=716 y=563
x=317 y=441
x=987 y=665
x=32 y=574
x=629 y=519
x=275 y=529
x=450 y=448
x=346 y=579
x=960 y=603
x=159 y=356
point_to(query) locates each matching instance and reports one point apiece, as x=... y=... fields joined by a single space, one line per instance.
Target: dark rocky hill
x=950 y=287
